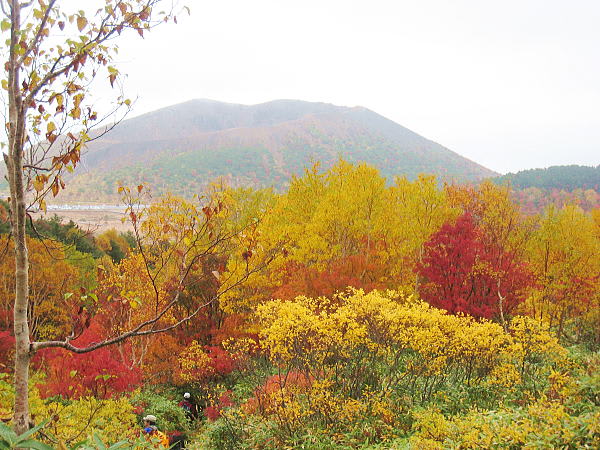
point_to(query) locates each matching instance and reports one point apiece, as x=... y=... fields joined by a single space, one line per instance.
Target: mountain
x=183 y=147
x=566 y=178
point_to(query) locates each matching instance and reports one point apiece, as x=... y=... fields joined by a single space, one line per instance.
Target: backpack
x=162 y=438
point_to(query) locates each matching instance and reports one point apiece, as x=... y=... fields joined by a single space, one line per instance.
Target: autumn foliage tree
x=101 y=374
x=564 y=254
x=51 y=279
x=416 y=210
x=328 y=229
x=464 y=275
x=197 y=363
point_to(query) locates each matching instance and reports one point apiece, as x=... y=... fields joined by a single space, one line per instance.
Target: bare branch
x=4 y=7
x=141 y=330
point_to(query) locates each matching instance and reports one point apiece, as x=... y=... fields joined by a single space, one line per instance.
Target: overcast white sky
x=511 y=84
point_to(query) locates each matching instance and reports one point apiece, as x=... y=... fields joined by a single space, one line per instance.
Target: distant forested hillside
x=566 y=178
x=535 y=189
x=534 y=200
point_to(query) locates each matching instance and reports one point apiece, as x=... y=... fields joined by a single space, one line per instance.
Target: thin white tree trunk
x=14 y=161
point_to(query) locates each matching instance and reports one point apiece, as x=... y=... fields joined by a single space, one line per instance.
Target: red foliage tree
x=221 y=363
x=101 y=373
x=7 y=346
x=463 y=274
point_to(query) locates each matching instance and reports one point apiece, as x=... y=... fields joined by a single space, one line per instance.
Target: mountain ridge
x=181 y=148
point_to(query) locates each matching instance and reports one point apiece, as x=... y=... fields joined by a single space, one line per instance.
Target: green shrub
x=170 y=417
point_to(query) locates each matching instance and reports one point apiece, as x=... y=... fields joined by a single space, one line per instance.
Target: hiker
x=152 y=431
x=191 y=411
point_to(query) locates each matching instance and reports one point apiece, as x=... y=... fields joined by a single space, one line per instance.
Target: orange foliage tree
x=52 y=280
x=173 y=280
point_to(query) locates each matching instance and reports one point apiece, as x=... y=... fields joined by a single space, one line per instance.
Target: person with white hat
x=149 y=424
x=189 y=406
x=152 y=431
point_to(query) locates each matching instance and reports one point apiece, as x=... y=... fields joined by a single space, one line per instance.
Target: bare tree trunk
x=501 y=308
x=14 y=162
x=561 y=322
x=21 y=325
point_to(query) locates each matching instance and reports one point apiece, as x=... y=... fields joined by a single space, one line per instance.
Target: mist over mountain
x=181 y=148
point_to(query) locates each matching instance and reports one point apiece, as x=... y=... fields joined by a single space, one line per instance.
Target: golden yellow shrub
x=365 y=355
x=74 y=420
x=543 y=424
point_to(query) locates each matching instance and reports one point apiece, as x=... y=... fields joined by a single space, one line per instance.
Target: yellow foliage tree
x=414 y=211
x=76 y=420
x=344 y=219
x=564 y=254
x=51 y=277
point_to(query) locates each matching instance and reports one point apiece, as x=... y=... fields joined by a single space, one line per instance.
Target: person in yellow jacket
x=152 y=431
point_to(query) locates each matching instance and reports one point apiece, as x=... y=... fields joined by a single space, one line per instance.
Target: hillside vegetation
x=180 y=149
x=413 y=315
x=534 y=190
x=566 y=178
